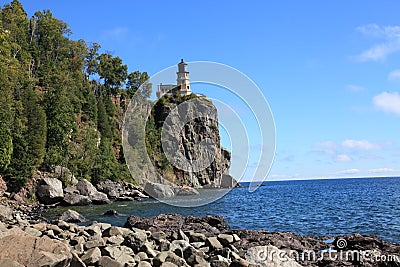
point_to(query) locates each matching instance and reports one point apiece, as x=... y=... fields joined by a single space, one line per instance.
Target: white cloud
x=381 y=170
x=343 y=158
x=394 y=75
x=326 y=144
x=349 y=171
x=360 y=145
x=328 y=147
x=378 y=52
x=355 y=88
x=388 y=102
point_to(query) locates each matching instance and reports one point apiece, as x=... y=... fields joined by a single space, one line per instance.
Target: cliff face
x=190 y=142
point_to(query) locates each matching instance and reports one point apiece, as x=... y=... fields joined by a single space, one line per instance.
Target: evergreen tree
x=113 y=72
x=6 y=111
x=19 y=171
x=52 y=110
x=36 y=127
x=138 y=80
x=83 y=151
x=60 y=125
x=106 y=163
x=103 y=123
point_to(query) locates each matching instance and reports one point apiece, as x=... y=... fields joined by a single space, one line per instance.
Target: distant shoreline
x=316 y=179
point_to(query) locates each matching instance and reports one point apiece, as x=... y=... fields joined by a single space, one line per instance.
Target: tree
x=113 y=72
x=106 y=163
x=138 y=80
x=52 y=49
x=103 y=122
x=36 y=127
x=6 y=110
x=83 y=151
x=19 y=171
x=60 y=125
x=92 y=59
x=15 y=21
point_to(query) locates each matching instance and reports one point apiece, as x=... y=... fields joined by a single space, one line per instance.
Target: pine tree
x=6 y=111
x=19 y=171
x=103 y=123
x=106 y=163
x=36 y=127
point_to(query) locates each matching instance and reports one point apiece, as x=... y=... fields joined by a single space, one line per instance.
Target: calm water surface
x=314 y=207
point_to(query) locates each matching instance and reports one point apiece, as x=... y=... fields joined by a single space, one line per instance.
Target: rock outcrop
x=173 y=223
x=173 y=240
x=120 y=191
x=191 y=141
x=3 y=186
x=50 y=190
x=72 y=216
x=32 y=251
x=157 y=190
x=85 y=188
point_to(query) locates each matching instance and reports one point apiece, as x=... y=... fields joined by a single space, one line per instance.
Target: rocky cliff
x=187 y=149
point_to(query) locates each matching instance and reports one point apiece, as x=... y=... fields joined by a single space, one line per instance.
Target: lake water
x=314 y=207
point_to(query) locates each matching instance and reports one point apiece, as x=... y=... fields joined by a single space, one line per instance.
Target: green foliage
x=54 y=109
x=112 y=71
x=138 y=80
x=106 y=165
x=36 y=127
x=103 y=122
x=60 y=118
x=6 y=148
x=83 y=151
x=6 y=110
x=19 y=171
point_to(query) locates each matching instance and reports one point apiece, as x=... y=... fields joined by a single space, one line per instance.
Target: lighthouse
x=182 y=79
x=182 y=85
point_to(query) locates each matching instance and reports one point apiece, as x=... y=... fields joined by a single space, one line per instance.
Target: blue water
x=314 y=207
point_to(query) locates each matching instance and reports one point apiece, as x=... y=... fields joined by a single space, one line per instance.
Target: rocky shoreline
x=27 y=239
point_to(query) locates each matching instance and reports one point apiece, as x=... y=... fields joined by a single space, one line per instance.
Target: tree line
x=56 y=100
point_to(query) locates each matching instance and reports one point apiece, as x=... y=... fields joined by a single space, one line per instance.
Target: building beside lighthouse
x=182 y=85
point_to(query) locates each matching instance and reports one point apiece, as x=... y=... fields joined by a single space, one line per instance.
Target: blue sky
x=330 y=70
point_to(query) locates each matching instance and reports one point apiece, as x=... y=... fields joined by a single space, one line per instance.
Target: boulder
x=6 y=213
x=226 y=239
x=3 y=186
x=157 y=190
x=121 y=254
x=227 y=181
x=92 y=256
x=213 y=243
x=66 y=175
x=137 y=194
x=76 y=200
x=108 y=262
x=172 y=223
x=72 y=216
x=9 y=263
x=33 y=251
x=110 y=188
x=186 y=191
x=111 y=213
x=49 y=191
x=85 y=188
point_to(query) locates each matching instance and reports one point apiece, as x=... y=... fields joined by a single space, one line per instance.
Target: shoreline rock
x=171 y=240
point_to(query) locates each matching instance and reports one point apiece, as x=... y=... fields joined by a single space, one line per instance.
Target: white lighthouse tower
x=182 y=85
x=182 y=79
